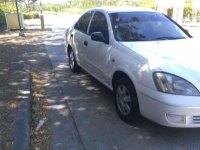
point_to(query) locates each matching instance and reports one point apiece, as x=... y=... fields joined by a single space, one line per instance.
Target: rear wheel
x=72 y=62
x=126 y=100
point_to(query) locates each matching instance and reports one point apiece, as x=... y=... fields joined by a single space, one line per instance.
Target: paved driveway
x=93 y=109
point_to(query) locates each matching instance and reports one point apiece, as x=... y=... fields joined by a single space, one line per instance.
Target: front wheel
x=126 y=100
x=72 y=62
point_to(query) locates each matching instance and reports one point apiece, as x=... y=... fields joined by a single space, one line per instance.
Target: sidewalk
x=17 y=55
x=64 y=132
x=12 y=73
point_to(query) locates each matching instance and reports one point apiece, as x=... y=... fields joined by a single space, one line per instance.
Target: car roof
x=115 y=9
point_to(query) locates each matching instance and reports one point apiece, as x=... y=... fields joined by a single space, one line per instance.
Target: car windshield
x=144 y=26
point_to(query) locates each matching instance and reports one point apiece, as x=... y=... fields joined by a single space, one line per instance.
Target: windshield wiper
x=168 y=38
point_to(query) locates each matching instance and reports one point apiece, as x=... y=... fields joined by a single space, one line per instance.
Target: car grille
x=196 y=120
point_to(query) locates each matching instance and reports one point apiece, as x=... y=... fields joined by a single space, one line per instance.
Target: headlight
x=172 y=84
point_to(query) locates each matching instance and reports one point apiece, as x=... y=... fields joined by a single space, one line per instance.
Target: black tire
x=74 y=67
x=130 y=111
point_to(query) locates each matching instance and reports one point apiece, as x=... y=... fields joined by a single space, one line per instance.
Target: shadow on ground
x=17 y=56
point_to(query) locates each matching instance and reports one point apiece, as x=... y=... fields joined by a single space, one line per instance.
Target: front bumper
x=170 y=110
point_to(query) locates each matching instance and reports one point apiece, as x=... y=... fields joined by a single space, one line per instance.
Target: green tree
x=188 y=9
x=148 y=3
x=30 y=4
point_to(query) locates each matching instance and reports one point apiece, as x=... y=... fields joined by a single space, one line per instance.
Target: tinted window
x=144 y=26
x=99 y=24
x=83 y=22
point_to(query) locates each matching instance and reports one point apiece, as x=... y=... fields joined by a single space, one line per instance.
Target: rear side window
x=83 y=22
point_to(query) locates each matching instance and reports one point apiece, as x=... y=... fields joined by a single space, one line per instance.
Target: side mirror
x=98 y=36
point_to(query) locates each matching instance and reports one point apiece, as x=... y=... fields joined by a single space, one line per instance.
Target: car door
x=80 y=35
x=97 y=51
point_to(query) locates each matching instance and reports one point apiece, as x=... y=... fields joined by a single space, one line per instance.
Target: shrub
x=27 y=16
x=36 y=15
x=32 y=15
x=2 y=18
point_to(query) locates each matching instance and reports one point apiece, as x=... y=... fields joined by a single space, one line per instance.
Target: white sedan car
x=151 y=64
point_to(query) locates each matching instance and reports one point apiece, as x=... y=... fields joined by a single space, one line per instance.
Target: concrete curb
x=23 y=115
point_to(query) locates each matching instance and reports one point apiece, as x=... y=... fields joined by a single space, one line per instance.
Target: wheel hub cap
x=71 y=60
x=123 y=100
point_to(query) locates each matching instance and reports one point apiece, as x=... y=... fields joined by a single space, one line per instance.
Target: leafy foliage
x=82 y=5
x=2 y=18
x=8 y=7
x=86 y=4
x=32 y=15
x=148 y=3
x=188 y=10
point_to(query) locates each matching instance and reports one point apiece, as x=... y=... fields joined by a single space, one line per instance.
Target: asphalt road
x=92 y=106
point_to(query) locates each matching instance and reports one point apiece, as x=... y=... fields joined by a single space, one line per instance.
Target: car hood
x=180 y=57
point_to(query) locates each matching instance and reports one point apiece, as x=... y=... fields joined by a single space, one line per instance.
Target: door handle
x=85 y=43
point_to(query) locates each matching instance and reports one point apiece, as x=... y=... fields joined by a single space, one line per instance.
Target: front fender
x=133 y=77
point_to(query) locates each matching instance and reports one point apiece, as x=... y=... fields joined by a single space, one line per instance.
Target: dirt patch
x=39 y=139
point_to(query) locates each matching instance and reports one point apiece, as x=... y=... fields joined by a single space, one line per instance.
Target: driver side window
x=99 y=24
x=83 y=22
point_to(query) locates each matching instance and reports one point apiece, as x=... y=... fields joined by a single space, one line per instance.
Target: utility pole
x=41 y=17
x=18 y=15
x=20 y=28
